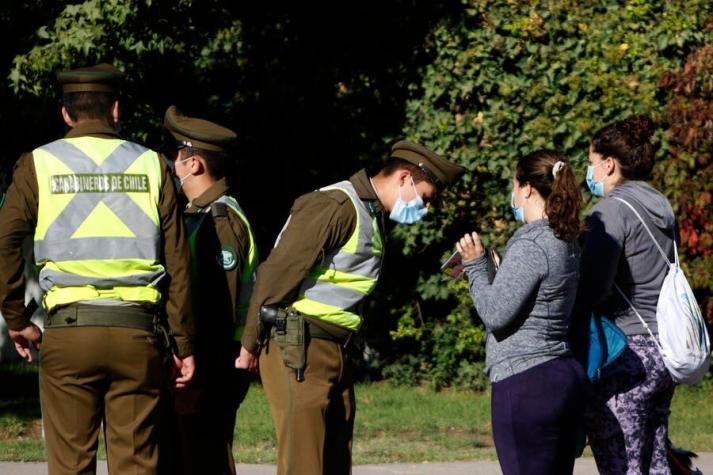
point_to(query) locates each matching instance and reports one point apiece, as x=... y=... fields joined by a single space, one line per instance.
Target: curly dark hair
x=629 y=142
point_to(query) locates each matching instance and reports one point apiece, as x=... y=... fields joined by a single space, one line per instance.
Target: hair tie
x=556 y=168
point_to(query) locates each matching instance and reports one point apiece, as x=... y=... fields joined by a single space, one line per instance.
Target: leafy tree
x=18 y=23
x=312 y=91
x=687 y=174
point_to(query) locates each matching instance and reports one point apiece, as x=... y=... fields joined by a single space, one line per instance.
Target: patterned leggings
x=627 y=413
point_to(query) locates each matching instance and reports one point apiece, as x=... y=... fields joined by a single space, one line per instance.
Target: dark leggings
x=535 y=417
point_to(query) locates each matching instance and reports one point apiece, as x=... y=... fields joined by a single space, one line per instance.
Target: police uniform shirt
x=319 y=221
x=18 y=218
x=221 y=248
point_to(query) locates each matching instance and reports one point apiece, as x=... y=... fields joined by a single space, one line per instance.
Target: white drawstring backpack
x=683 y=338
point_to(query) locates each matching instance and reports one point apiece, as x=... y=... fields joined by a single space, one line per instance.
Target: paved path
x=584 y=466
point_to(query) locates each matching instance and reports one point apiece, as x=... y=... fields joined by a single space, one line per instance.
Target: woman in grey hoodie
x=538 y=387
x=627 y=413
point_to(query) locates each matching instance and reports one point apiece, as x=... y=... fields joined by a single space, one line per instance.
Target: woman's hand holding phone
x=470 y=247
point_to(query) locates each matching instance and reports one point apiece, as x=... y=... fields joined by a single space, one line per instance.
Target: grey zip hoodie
x=526 y=309
x=618 y=249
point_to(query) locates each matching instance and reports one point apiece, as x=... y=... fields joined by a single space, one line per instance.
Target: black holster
x=286 y=327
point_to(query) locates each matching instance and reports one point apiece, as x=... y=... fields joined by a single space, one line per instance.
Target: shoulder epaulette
x=219 y=210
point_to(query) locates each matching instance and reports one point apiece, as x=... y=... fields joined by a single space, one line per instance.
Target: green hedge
x=508 y=78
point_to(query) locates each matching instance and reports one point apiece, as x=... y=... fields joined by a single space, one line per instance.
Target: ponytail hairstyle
x=553 y=178
x=629 y=142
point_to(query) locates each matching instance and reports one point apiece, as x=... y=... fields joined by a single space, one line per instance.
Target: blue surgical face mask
x=408 y=212
x=180 y=180
x=596 y=187
x=517 y=211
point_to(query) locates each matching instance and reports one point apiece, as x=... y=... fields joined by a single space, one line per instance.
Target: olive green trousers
x=90 y=375
x=314 y=419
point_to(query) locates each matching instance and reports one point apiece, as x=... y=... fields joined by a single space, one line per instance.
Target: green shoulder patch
x=227 y=258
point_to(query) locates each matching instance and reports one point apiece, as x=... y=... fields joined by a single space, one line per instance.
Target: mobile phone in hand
x=453 y=266
x=493 y=263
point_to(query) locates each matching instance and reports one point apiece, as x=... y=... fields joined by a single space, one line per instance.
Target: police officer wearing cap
x=107 y=234
x=223 y=262
x=308 y=292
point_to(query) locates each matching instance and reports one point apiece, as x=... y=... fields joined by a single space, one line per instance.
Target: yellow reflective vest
x=344 y=277
x=98 y=229
x=247 y=275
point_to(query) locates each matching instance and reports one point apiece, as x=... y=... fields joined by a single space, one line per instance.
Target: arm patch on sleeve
x=227 y=258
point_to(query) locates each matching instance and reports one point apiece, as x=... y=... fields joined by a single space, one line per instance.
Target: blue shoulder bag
x=606 y=343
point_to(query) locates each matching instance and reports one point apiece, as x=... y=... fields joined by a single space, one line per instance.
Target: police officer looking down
x=110 y=248
x=326 y=260
x=223 y=262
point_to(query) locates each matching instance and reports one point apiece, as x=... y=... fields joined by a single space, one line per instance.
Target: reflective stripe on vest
x=338 y=284
x=98 y=231
x=247 y=275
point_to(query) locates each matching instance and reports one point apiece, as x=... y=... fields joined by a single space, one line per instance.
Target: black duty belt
x=80 y=315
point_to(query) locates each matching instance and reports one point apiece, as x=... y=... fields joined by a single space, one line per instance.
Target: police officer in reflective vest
x=223 y=262
x=107 y=234
x=307 y=297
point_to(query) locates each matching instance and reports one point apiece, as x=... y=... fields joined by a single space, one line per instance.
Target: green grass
x=392 y=424
x=418 y=425
x=691 y=415
x=20 y=426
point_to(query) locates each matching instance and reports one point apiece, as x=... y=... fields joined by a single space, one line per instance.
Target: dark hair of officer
x=392 y=165
x=216 y=162
x=560 y=190
x=88 y=105
x=629 y=142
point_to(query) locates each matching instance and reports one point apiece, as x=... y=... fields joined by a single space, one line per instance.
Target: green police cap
x=100 y=78
x=440 y=171
x=197 y=133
